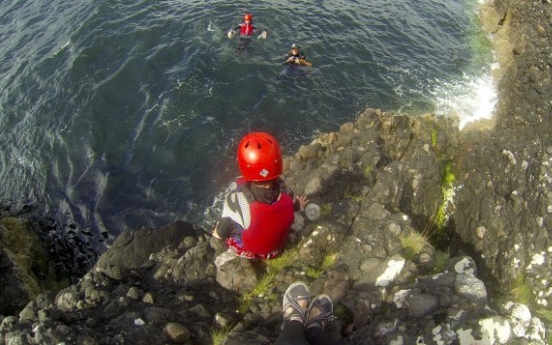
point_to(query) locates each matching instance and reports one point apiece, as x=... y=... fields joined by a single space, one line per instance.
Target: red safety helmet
x=259 y=157
x=248 y=17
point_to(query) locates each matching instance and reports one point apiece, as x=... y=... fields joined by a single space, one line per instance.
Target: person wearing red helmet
x=245 y=30
x=259 y=212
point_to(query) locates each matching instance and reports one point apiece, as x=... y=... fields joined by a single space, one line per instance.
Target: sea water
x=116 y=115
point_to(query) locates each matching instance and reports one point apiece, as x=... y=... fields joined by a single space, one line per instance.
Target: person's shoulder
x=280 y=181
x=245 y=191
x=282 y=185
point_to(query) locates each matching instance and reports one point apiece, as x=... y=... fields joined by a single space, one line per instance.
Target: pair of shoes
x=320 y=313
x=337 y=283
x=296 y=301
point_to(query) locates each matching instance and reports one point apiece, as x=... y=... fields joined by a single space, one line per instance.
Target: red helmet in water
x=259 y=157
x=248 y=17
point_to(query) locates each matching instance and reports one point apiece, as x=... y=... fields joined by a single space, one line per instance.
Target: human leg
x=243 y=44
x=320 y=314
x=292 y=334
x=294 y=306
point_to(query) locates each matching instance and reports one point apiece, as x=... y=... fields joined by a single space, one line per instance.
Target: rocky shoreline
x=483 y=278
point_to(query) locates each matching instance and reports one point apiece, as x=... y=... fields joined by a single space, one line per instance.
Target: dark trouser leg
x=316 y=336
x=292 y=334
x=243 y=44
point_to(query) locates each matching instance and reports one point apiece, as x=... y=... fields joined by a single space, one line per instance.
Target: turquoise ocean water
x=123 y=114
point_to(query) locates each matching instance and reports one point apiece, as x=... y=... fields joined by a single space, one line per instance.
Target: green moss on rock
x=34 y=266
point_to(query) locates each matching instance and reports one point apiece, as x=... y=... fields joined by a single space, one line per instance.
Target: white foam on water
x=471 y=98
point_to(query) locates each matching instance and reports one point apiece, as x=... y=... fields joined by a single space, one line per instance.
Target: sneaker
x=296 y=301
x=320 y=312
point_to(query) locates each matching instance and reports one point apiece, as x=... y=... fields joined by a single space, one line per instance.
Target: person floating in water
x=246 y=30
x=295 y=57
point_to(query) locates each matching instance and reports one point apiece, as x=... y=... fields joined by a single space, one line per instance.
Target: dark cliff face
x=14 y=292
x=378 y=182
x=504 y=207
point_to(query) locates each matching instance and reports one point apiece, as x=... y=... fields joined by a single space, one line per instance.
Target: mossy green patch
x=35 y=265
x=520 y=291
x=20 y=241
x=326 y=262
x=412 y=243
x=219 y=335
x=434 y=138
x=263 y=289
x=312 y=272
x=368 y=170
x=441 y=259
x=448 y=175
x=340 y=311
x=326 y=210
x=448 y=178
x=285 y=259
x=347 y=194
x=545 y=314
x=266 y=284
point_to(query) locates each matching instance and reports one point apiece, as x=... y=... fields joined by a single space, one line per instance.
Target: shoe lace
x=321 y=320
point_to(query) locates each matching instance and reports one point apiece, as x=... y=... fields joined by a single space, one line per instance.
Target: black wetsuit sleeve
x=296 y=205
x=224 y=228
x=285 y=189
x=287 y=58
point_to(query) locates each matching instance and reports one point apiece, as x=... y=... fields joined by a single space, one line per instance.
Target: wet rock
x=240 y=275
x=45 y=300
x=463 y=265
x=422 y=305
x=308 y=152
x=96 y=297
x=381 y=272
x=157 y=316
x=471 y=288
x=177 y=332
x=30 y=311
x=135 y=293
x=314 y=187
x=193 y=266
x=250 y=337
x=132 y=249
x=113 y=272
x=148 y=298
x=67 y=299
x=15 y=292
x=519 y=312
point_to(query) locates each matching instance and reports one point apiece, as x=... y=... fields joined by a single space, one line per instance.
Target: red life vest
x=268 y=229
x=246 y=29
